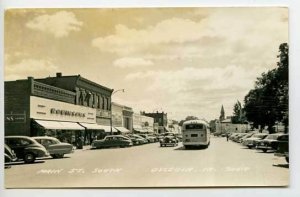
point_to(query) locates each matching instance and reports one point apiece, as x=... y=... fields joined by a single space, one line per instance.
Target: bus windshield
x=194 y=126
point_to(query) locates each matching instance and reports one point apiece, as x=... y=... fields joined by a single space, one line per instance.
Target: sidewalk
x=85 y=147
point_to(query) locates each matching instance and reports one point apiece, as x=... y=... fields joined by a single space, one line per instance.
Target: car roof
x=18 y=136
x=44 y=137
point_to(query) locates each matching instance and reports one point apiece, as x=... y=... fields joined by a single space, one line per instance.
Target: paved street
x=222 y=164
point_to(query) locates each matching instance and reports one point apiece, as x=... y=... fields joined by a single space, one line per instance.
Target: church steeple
x=222 y=116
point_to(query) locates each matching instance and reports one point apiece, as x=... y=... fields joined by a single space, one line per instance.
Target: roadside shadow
x=22 y=163
x=182 y=148
x=268 y=152
x=51 y=158
x=281 y=165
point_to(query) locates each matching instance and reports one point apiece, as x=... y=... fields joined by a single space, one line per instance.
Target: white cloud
x=129 y=62
x=128 y=40
x=33 y=67
x=59 y=24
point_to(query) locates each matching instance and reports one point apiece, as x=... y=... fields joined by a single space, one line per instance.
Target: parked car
x=26 y=148
x=271 y=142
x=55 y=148
x=283 y=147
x=141 y=139
x=238 y=137
x=9 y=154
x=154 y=137
x=169 y=139
x=245 y=137
x=250 y=142
x=112 y=141
x=149 y=138
x=233 y=135
x=136 y=140
x=179 y=137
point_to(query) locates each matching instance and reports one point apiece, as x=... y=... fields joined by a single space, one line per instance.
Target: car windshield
x=260 y=136
x=272 y=137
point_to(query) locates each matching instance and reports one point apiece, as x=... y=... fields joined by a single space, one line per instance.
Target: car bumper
x=281 y=154
x=264 y=147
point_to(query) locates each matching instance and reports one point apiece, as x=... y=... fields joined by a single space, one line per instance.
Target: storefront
x=61 y=120
x=70 y=108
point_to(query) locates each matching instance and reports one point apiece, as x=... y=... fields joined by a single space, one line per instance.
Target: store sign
x=15 y=118
x=47 y=109
x=66 y=112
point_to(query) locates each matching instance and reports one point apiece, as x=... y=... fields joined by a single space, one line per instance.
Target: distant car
x=55 y=148
x=137 y=140
x=250 y=142
x=238 y=137
x=179 y=137
x=233 y=135
x=141 y=139
x=271 y=142
x=154 y=137
x=112 y=141
x=150 y=138
x=245 y=137
x=169 y=139
x=26 y=148
x=9 y=154
x=283 y=147
x=217 y=134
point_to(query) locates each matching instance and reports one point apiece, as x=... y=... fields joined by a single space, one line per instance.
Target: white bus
x=195 y=133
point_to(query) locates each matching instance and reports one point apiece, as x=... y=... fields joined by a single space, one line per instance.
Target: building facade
x=68 y=107
x=160 y=120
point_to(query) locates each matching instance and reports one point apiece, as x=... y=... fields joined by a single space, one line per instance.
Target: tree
x=238 y=114
x=188 y=118
x=268 y=101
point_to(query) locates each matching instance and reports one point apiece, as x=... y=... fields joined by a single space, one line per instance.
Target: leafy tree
x=188 y=118
x=238 y=114
x=268 y=101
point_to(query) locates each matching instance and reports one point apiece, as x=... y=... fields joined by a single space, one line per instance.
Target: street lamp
x=123 y=90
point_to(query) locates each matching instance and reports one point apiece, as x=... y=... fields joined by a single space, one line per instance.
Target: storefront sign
x=66 y=112
x=15 y=118
x=46 y=109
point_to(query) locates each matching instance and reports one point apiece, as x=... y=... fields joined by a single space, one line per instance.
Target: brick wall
x=16 y=102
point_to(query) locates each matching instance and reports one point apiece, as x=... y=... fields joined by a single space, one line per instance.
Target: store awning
x=91 y=126
x=138 y=128
x=122 y=129
x=59 y=125
x=150 y=130
x=107 y=128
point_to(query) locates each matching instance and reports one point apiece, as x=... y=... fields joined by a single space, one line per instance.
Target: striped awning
x=59 y=125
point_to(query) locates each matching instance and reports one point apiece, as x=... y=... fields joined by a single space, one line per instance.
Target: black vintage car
x=169 y=139
x=9 y=154
x=26 y=148
x=271 y=142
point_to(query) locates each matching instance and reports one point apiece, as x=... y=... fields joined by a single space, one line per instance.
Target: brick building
x=57 y=105
x=160 y=119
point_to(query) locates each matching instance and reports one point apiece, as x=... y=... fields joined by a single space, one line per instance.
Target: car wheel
x=287 y=159
x=250 y=147
x=53 y=156
x=264 y=150
x=29 y=158
x=59 y=155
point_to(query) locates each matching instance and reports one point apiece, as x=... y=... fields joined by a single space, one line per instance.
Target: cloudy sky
x=184 y=61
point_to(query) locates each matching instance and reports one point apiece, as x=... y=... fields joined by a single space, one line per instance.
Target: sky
x=183 y=61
